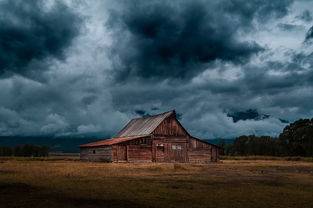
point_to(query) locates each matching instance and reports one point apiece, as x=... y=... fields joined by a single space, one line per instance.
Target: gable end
x=170 y=127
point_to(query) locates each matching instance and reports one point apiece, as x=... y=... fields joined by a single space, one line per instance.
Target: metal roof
x=143 y=126
x=110 y=141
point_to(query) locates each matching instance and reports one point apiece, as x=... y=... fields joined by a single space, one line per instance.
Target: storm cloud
x=34 y=30
x=177 y=39
x=306 y=16
x=309 y=34
x=105 y=62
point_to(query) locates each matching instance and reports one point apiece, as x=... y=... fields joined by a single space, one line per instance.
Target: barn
x=158 y=138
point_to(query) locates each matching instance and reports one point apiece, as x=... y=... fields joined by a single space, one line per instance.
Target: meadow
x=234 y=182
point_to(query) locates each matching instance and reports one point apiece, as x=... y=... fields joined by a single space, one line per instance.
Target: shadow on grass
x=27 y=196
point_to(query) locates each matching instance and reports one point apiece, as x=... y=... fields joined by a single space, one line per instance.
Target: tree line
x=25 y=150
x=295 y=140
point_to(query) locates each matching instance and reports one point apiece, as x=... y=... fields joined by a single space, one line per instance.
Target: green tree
x=6 y=151
x=298 y=138
x=222 y=146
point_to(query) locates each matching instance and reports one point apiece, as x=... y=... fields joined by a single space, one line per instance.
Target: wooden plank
x=97 y=154
x=170 y=127
x=138 y=153
x=126 y=152
x=121 y=153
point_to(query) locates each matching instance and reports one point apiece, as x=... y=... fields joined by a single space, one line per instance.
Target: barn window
x=177 y=147
x=94 y=151
x=160 y=147
x=143 y=141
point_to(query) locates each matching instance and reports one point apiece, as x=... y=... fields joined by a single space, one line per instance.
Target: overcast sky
x=228 y=67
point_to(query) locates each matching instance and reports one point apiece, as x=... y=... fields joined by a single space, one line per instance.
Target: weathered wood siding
x=138 y=150
x=96 y=154
x=215 y=155
x=199 y=155
x=170 y=149
x=139 y=153
x=170 y=127
x=201 y=152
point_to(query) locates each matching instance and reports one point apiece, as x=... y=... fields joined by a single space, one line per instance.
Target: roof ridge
x=139 y=135
x=154 y=115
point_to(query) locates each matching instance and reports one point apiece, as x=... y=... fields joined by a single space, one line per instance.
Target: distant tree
x=253 y=145
x=44 y=151
x=18 y=151
x=30 y=150
x=222 y=146
x=6 y=151
x=297 y=138
x=240 y=146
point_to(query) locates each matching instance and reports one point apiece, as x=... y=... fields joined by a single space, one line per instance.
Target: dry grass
x=287 y=158
x=232 y=183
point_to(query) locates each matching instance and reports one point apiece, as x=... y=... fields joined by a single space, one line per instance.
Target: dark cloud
x=179 y=116
x=89 y=99
x=305 y=16
x=250 y=114
x=149 y=44
x=178 y=39
x=289 y=27
x=142 y=113
x=283 y=121
x=32 y=31
x=309 y=35
x=261 y=11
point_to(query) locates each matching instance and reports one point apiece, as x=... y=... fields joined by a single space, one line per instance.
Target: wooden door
x=121 y=153
x=177 y=152
x=160 y=149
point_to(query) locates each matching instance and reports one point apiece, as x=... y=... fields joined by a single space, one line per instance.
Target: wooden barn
x=159 y=138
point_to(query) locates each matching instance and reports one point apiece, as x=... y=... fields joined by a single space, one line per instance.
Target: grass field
x=67 y=182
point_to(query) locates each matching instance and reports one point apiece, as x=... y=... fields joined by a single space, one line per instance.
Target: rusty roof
x=143 y=126
x=111 y=141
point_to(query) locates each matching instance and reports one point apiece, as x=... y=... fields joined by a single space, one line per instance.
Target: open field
x=58 y=182
x=286 y=158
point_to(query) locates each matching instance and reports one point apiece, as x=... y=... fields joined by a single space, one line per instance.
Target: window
x=94 y=151
x=160 y=147
x=177 y=147
x=143 y=141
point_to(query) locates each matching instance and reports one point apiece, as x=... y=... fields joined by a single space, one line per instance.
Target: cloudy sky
x=228 y=67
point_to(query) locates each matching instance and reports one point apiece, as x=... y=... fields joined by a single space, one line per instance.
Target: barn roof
x=110 y=141
x=143 y=126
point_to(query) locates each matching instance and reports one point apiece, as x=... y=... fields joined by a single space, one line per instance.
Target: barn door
x=177 y=152
x=121 y=153
x=160 y=149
